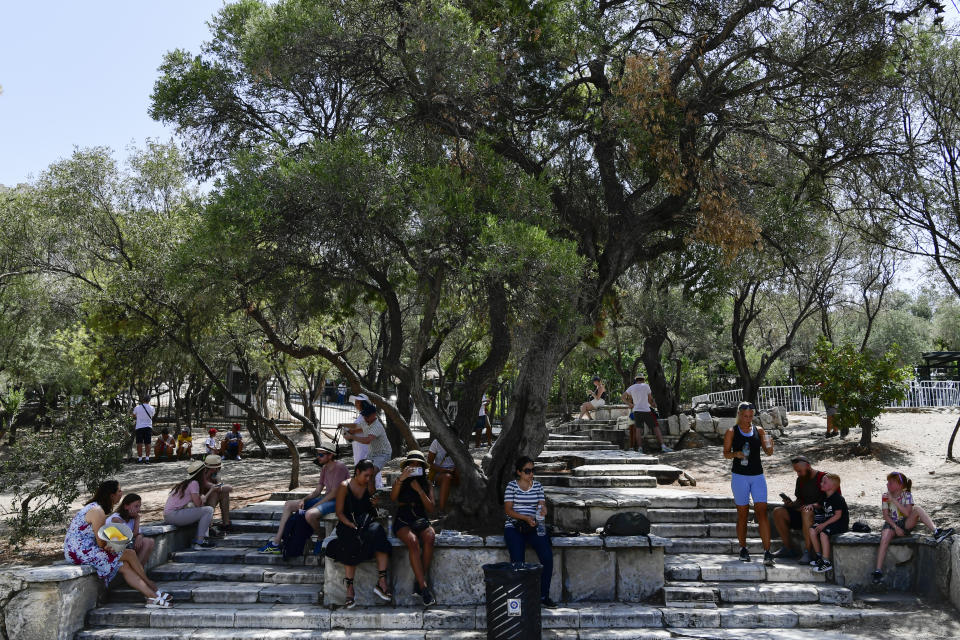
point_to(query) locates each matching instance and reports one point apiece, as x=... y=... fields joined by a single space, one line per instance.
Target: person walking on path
x=526 y=509
x=414 y=497
x=598 y=398
x=483 y=422
x=640 y=397
x=832 y=429
x=798 y=515
x=186 y=505
x=360 y=450
x=82 y=546
x=143 y=431
x=742 y=444
x=375 y=437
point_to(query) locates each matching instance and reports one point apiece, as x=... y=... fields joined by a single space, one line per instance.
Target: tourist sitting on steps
x=210 y=444
x=640 y=397
x=232 y=444
x=165 y=445
x=184 y=444
x=798 y=515
x=598 y=398
x=128 y=513
x=900 y=516
x=443 y=472
x=526 y=510
x=359 y=536
x=217 y=493
x=83 y=546
x=186 y=505
x=742 y=444
x=414 y=497
x=320 y=502
x=836 y=520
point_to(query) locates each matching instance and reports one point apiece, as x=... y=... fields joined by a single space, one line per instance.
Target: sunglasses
x=530 y=470
x=747 y=405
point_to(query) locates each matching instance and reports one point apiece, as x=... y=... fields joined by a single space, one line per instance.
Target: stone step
x=693 y=530
x=244 y=540
x=716 y=568
x=590 y=482
x=254 y=526
x=266 y=510
x=273 y=574
x=228 y=593
x=697 y=515
x=664 y=473
x=711 y=594
x=241 y=555
x=447 y=620
x=718 y=546
x=604 y=457
x=586 y=445
x=567 y=437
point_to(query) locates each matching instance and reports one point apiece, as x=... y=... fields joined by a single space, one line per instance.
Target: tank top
x=354 y=507
x=753 y=467
x=411 y=505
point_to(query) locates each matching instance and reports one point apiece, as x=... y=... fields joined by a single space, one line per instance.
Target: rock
x=704 y=422
x=51 y=610
x=691 y=440
x=725 y=424
x=624 y=423
x=775 y=414
x=673 y=426
x=766 y=420
x=683 y=421
x=716 y=426
x=783 y=416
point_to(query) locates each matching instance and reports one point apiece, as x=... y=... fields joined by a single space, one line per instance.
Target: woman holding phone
x=414 y=497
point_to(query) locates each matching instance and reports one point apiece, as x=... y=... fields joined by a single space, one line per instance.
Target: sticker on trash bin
x=513 y=607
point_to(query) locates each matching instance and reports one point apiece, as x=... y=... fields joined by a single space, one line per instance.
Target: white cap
x=360 y=397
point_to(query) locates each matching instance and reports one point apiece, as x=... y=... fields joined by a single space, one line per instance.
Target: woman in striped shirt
x=525 y=507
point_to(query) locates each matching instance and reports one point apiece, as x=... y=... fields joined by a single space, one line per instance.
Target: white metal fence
x=921 y=393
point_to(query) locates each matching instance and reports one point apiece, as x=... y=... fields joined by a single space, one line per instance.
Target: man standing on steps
x=640 y=397
x=795 y=514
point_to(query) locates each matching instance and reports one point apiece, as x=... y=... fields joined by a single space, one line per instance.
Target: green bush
x=46 y=475
x=859 y=384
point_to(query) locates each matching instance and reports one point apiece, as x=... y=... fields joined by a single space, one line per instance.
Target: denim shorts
x=746 y=486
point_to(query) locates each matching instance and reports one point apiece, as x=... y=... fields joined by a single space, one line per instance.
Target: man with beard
x=799 y=514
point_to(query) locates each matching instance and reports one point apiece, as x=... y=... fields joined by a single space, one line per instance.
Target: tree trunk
x=866 y=433
x=953 y=436
x=294 y=454
x=659 y=385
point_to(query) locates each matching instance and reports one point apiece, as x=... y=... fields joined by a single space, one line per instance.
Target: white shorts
x=599 y=402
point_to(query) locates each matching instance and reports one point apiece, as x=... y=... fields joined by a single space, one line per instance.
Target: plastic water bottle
x=541 y=527
x=746 y=455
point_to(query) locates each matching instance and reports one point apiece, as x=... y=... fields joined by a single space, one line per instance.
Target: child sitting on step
x=836 y=520
x=900 y=516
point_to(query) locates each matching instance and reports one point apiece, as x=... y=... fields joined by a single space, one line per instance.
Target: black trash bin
x=513 y=600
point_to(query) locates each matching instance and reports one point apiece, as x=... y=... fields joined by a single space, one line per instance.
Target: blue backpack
x=296 y=535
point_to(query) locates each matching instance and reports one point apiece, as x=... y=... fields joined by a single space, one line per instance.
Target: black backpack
x=628 y=523
x=296 y=535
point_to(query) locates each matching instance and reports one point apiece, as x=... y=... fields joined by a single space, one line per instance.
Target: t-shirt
x=640 y=392
x=211 y=444
x=524 y=502
x=175 y=501
x=906 y=498
x=379 y=446
x=483 y=406
x=331 y=476
x=233 y=435
x=144 y=414
x=116 y=518
x=441 y=458
x=832 y=504
x=166 y=440
x=808 y=490
x=184 y=437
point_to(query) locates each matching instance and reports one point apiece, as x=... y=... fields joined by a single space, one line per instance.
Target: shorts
x=327 y=507
x=597 y=403
x=480 y=424
x=380 y=461
x=831 y=410
x=834 y=529
x=143 y=435
x=796 y=519
x=746 y=486
x=648 y=418
x=901 y=522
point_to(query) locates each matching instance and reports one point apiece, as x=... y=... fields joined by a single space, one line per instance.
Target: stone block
x=679 y=530
x=399 y=618
x=461 y=580
x=618 y=616
x=691 y=618
x=639 y=574
x=732 y=570
x=334 y=590
x=819 y=616
x=753 y=617
x=954 y=590
x=766 y=420
x=556 y=578
x=673 y=426
x=854 y=563
x=180 y=617
x=450 y=618
x=226 y=592
x=675 y=516
x=291 y=594
x=704 y=423
x=683 y=422
x=589 y=574
x=725 y=424
x=53 y=610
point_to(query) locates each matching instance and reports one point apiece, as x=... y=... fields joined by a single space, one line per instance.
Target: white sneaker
x=665 y=449
x=158 y=603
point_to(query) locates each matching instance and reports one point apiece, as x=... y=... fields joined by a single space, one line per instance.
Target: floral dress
x=80 y=547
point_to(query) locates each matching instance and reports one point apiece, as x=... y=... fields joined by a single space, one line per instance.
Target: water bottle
x=746 y=455
x=389 y=525
x=541 y=527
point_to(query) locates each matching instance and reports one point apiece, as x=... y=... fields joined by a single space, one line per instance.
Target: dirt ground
x=914 y=444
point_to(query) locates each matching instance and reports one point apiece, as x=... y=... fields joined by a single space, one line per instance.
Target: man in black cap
x=799 y=513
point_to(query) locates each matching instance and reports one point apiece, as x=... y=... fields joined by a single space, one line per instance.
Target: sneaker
x=318 y=547
x=158 y=603
x=877 y=577
x=785 y=552
x=744 y=555
x=428 y=597
x=201 y=546
x=942 y=534
x=214 y=532
x=823 y=566
x=665 y=449
x=805 y=558
x=816 y=561
x=270 y=548
x=768 y=559
x=547 y=603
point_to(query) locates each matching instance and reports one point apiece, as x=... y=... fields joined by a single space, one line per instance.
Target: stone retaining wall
x=51 y=603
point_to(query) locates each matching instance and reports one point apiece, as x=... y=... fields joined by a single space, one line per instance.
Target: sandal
x=349 y=602
x=158 y=603
x=383 y=594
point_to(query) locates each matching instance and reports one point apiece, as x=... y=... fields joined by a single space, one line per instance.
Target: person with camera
x=526 y=509
x=359 y=536
x=215 y=491
x=414 y=497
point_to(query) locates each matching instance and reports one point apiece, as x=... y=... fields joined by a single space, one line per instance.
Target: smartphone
x=785 y=497
x=416 y=471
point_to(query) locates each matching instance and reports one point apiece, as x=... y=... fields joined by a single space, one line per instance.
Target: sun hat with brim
x=212 y=461
x=325 y=448
x=415 y=456
x=360 y=397
x=193 y=467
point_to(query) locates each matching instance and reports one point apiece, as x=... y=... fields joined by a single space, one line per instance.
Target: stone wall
x=51 y=603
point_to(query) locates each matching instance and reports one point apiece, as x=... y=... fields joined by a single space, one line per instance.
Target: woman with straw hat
x=414 y=497
x=186 y=505
x=82 y=545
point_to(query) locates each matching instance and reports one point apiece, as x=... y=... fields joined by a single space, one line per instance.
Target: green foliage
x=859 y=383
x=46 y=476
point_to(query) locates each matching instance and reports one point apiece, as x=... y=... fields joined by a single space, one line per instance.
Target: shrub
x=46 y=476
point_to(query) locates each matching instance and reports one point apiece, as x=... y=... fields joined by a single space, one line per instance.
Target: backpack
x=296 y=535
x=628 y=523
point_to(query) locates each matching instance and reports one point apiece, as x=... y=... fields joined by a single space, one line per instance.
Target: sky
x=80 y=73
